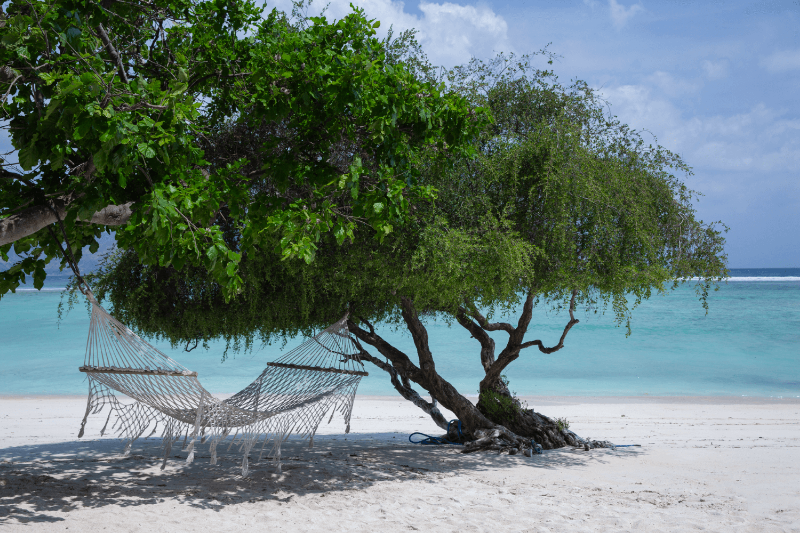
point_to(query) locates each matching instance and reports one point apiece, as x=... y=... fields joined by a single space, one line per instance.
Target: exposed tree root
x=502 y=440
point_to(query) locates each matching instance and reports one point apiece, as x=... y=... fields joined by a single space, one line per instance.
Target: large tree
x=557 y=204
x=181 y=122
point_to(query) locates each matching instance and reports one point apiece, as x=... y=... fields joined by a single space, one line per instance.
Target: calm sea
x=747 y=345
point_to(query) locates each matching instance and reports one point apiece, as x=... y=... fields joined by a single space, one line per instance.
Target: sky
x=715 y=81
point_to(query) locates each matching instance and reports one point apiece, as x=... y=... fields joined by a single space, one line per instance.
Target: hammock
x=291 y=396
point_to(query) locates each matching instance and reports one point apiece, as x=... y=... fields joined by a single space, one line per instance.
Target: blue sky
x=715 y=81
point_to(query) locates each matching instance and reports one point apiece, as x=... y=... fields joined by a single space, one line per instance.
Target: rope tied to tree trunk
x=437 y=441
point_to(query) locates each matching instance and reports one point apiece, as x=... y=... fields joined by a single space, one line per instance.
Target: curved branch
x=511 y=352
x=487 y=343
x=419 y=334
x=399 y=359
x=572 y=322
x=404 y=388
x=488 y=326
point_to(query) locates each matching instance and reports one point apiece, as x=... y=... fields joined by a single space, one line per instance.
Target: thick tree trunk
x=507 y=411
x=498 y=421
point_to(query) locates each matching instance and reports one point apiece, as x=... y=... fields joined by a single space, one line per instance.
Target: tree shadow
x=41 y=483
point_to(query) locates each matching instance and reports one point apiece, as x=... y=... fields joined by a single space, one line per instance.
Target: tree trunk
x=503 y=409
x=498 y=422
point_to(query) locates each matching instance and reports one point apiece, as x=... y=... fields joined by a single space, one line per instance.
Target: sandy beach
x=710 y=464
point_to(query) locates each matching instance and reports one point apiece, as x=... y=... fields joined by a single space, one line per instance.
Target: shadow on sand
x=41 y=483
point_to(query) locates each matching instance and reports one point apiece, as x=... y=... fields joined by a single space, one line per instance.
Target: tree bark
x=425 y=376
x=499 y=421
x=34 y=218
x=406 y=391
x=496 y=401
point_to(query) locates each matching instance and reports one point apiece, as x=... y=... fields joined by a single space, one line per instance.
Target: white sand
x=705 y=464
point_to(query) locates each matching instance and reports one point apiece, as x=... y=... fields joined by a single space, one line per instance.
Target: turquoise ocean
x=747 y=345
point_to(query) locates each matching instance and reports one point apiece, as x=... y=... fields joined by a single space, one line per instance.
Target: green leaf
x=28 y=158
x=213 y=253
x=82 y=129
x=146 y=150
x=179 y=89
x=100 y=159
x=10 y=38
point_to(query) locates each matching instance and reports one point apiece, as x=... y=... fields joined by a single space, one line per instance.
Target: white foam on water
x=765 y=278
x=758 y=278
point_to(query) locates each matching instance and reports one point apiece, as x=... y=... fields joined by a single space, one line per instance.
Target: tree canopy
x=183 y=121
x=555 y=200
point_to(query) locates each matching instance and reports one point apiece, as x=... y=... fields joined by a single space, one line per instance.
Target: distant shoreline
x=533 y=401
x=731 y=279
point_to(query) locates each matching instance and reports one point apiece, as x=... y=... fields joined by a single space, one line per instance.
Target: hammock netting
x=292 y=396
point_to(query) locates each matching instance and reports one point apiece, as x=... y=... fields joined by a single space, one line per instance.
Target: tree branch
x=487 y=326
x=511 y=352
x=487 y=343
x=140 y=105
x=398 y=358
x=572 y=322
x=113 y=53
x=426 y=376
x=419 y=334
x=404 y=388
x=33 y=219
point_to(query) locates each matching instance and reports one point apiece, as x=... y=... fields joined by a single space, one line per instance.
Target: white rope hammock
x=291 y=396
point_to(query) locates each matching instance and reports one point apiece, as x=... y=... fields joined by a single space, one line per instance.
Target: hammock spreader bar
x=136 y=371
x=320 y=369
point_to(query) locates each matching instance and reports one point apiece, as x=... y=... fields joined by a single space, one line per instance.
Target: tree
x=182 y=121
x=559 y=205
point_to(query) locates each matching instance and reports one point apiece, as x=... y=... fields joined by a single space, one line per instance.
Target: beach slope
x=711 y=464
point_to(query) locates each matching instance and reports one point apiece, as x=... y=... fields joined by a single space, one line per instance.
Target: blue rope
x=460 y=435
x=438 y=441
x=625 y=445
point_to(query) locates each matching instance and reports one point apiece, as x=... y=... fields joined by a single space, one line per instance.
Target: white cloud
x=672 y=86
x=456 y=33
x=620 y=15
x=715 y=70
x=782 y=61
x=762 y=140
x=450 y=34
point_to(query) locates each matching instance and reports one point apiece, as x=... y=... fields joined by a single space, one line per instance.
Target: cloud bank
x=451 y=34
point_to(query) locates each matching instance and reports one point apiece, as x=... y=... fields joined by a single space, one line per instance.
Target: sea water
x=747 y=345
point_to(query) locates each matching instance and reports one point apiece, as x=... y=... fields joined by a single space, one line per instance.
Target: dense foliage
x=228 y=131
x=559 y=199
